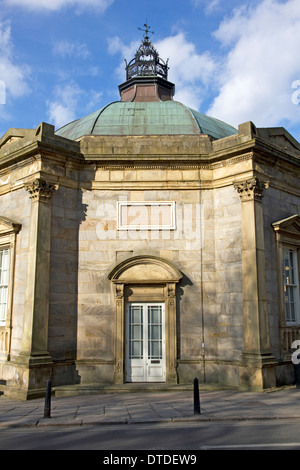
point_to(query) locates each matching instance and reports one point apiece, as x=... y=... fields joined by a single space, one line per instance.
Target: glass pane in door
x=154 y=332
x=135 y=332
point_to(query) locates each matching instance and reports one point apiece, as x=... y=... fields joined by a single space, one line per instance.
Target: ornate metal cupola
x=146 y=75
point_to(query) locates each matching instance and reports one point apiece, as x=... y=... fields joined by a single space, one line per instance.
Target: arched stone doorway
x=145 y=283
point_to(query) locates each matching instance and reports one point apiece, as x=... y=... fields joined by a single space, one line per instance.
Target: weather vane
x=146 y=30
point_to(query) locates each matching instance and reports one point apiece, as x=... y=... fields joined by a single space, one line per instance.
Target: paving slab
x=150 y=407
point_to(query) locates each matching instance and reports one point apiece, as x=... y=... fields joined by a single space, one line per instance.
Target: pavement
x=151 y=407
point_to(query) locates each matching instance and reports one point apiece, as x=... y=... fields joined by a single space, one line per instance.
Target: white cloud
x=261 y=63
x=127 y=52
x=63 y=109
x=69 y=102
x=14 y=77
x=93 y=100
x=186 y=65
x=60 y=114
x=71 y=49
x=209 y=5
x=212 y=6
x=189 y=71
x=55 y=5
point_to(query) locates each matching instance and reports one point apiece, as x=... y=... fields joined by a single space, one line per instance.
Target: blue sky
x=234 y=60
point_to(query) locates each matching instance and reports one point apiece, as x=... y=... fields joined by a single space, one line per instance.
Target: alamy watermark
x=296 y=94
x=131 y=220
x=296 y=354
x=2 y=92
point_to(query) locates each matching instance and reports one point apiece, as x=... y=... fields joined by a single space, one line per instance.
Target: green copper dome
x=146 y=106
x=146 y=118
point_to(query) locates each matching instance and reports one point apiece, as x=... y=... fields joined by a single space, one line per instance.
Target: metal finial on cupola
x=146 y=31
x=146 y=61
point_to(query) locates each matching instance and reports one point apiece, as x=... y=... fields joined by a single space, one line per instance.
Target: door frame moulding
x=152 y=279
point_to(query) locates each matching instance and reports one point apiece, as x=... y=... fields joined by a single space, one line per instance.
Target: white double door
x=145 y=342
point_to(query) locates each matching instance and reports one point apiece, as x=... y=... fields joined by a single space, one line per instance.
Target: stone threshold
x=90 y=389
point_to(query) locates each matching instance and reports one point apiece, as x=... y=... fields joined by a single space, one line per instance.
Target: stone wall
x=67 y=214
x=217 y=244
x=206 y=247
x=15 y=205
x=277 y=205
x=229 y=280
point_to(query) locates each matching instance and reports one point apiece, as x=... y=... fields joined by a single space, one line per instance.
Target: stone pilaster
x=119 y=338
x=171 y=334
x=257 y=370
x=36 y=310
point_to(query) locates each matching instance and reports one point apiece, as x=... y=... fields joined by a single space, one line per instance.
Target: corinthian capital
x=40 y=190
x=251 y=189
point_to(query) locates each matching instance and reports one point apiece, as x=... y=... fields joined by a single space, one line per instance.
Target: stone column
x=120 y=332
x=171 y=335
x=34 y=348
x=257 y=370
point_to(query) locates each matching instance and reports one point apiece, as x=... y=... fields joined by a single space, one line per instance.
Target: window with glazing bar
x=291 y=285
x=4 y=278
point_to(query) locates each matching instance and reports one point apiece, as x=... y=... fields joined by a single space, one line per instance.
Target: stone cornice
x=59 y=153
x=55 y=147
x=172 y=163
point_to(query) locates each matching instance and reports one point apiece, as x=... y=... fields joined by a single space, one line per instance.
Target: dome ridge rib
x=100 y=112
x=196 y=124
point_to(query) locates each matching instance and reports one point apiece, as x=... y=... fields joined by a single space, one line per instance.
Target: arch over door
x=146 y=279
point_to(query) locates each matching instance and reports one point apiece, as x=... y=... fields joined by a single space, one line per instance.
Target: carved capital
x=120 y=291
x=40 y=190
x=251 y=189
x=171 y=289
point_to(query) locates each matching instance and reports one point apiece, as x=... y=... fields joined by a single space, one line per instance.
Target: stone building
x=148 y=243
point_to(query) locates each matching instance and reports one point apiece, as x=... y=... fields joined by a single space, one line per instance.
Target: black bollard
x=47 y=408
x=197 y=410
